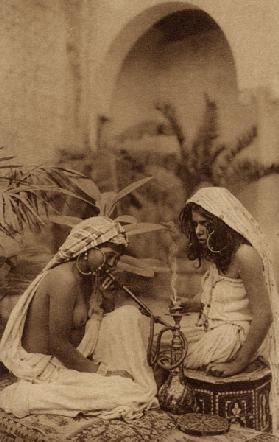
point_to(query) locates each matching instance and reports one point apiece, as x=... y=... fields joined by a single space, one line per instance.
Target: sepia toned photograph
x=139 y=229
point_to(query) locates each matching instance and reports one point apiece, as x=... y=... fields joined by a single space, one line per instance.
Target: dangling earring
x=101 y=265
x=97 y=297
x=211 y=248
x=78 y=266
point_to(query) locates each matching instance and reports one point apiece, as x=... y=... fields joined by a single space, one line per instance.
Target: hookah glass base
x=175 y=395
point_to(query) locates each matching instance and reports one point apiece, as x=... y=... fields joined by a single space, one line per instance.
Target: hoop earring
x=211 y=248
x=78 y=266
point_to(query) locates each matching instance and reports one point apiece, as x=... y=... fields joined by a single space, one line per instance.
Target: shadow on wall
x=179 y=60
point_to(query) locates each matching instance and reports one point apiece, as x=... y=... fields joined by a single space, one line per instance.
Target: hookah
x=174 y=395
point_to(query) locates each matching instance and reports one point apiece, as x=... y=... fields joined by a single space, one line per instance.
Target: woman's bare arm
x=251 y=272
x=62 y=297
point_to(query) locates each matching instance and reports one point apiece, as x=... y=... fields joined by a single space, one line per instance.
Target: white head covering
x=222 y=204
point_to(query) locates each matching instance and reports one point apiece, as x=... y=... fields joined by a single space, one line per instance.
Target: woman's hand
x=122 y=373
x=188 y=306
x=224 y=369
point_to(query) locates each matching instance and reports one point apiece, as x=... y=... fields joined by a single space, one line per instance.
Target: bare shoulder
x=60 y=280
x=248 y=258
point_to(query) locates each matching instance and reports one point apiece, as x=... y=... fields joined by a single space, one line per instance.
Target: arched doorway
x=180 y=59
x=138 y=25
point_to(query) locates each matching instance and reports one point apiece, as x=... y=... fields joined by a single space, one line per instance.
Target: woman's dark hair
x=224 y=241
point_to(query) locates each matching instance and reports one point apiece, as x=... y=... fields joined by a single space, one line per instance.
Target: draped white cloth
x=218 y=344
x=228 y=321
x=118 y=339
x=54 y=389
x=221 y=203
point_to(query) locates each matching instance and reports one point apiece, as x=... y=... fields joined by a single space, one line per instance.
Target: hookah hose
x=147 y=312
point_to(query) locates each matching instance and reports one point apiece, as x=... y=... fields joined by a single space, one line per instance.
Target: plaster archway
x=109 y=67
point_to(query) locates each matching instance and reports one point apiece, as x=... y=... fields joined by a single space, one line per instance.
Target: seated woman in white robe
x=237 y=310
x=68 y=354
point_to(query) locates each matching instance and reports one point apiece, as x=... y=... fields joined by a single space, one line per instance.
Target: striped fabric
x=88 y=234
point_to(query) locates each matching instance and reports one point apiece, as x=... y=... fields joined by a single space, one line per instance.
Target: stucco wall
x=38 y=86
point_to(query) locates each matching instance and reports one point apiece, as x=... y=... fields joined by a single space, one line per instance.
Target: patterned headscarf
x=225 y=206
x=88 y=234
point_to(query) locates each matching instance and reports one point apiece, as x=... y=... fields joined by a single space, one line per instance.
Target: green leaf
x=141 y=271
x=126 y=219
x=89 y=188
x=22 y=217
x=17 y=215
x=105 y=203
x=9 y=166
x=140 y=228
x=29 y=207
x=69 y=171
x=10 y=218
x=49 y=188
x=155 y=265
x=64 y=182
x=129 y=189
x=6 y=158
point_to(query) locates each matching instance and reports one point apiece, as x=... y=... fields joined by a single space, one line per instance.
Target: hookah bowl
x=175 y=395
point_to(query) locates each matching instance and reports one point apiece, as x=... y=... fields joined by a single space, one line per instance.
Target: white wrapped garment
x=55 y=389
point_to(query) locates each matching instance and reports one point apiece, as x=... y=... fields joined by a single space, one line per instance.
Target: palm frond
x=27 y=194
x=209 y=129
x=217 y=151
x=200 y=161
x=169 y=112
x=61 y=179
x=249 y=170
x=230 y=153
x=25 y=204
